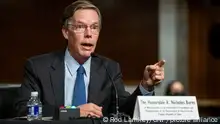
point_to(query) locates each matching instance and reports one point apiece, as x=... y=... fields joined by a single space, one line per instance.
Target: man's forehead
x=86 y=13
x=85 y=16
x=83 y=21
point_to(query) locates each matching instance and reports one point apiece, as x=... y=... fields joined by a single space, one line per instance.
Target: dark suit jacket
x=45 y=74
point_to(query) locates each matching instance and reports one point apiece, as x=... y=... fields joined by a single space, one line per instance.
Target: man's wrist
x=147 y=87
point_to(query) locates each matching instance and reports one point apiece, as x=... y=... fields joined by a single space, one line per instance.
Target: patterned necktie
x=79 y=95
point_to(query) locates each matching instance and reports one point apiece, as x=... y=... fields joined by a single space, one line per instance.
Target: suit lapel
x=96 y=81
x=57 y=78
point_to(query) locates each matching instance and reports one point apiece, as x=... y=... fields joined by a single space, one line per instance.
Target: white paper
x=136 y=111
x=166 y=108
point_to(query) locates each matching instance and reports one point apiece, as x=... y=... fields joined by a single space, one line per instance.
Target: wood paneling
x=31 y=27
x=213 y=63
x=28 y=28
x=203 y=67
x=129 y=36
x=197 y=49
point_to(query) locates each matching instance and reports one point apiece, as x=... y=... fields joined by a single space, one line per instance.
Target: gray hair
x=77 y=5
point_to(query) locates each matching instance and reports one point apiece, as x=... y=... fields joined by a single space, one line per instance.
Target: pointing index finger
x=160 y=63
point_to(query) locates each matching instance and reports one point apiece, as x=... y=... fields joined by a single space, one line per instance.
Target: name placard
x=166 y=108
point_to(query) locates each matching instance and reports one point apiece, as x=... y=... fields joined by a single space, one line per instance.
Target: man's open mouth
x=87 y=44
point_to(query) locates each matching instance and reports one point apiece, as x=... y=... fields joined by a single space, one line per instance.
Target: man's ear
x=65 y=33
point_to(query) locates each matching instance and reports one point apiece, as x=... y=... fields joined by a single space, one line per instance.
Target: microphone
x=116 y=92
x=117 y=114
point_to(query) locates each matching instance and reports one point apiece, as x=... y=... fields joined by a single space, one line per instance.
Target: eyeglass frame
x=74 y=26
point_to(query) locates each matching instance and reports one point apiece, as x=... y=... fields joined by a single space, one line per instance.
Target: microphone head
x=93 y=54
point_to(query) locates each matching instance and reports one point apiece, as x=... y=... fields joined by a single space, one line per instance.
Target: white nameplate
x=166 y=108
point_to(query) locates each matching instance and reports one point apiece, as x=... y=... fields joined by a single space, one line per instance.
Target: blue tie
x=79 y=95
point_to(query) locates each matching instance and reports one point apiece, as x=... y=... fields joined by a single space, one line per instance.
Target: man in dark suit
x=78 y=77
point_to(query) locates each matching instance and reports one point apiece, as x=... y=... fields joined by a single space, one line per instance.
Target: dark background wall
x=31 y=27
x=204 y=61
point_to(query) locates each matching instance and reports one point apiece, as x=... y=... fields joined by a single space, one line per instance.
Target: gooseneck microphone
x=117 y=114
x=116 y=92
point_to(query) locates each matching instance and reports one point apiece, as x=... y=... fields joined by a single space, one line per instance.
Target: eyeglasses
x=81 y=28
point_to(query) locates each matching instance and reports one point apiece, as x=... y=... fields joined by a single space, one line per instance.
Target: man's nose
x=88 y=33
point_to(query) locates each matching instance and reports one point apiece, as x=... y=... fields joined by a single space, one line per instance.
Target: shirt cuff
x=145 y=92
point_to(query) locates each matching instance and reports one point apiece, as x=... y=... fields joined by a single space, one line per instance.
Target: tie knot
x=81 y=69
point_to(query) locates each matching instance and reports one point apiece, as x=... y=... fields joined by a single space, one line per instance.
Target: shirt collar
x=73 y=65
